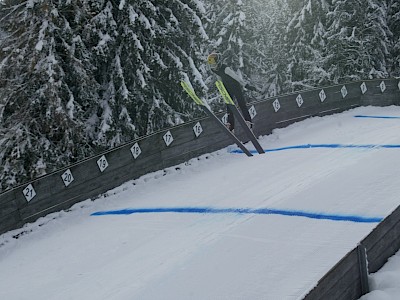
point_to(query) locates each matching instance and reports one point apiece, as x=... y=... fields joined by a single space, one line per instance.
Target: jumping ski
x=238 y=116
x=221 y=125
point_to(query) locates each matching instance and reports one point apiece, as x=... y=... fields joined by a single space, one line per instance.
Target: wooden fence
x=348 y=279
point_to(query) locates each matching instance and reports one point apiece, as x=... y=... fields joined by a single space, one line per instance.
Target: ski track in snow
x=232 y=255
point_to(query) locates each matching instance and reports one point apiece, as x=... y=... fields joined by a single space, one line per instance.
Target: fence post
x=363 y=265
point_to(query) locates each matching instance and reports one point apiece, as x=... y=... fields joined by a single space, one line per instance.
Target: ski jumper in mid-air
x=234 y=85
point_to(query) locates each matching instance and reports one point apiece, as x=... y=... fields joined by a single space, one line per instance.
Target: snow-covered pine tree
x=237 y=31
x=46 y=89
x=250 y=34
x=229 y=32
x=275 y=74
x=260 y=47
x=357 y=40
x=175 y=54
x=306 y=42
x=101 y=35
x=84 y=74
x=143 y=50
x=376 y=34
x=2 y=15
x=394 y=26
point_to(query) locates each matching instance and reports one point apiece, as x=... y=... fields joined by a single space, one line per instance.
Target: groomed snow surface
x=221 y=226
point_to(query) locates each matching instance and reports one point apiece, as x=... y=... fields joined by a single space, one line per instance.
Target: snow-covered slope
x=223 y=226
x=385 y=284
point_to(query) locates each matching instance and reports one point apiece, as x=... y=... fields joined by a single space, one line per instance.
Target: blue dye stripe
x=376 y=117
x=332 y=146
x=261 y=211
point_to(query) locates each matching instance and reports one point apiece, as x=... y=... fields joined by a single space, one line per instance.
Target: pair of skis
x=228 y=100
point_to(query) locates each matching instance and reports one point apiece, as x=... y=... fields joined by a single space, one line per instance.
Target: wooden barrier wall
x=96 y=175
x=348 y=280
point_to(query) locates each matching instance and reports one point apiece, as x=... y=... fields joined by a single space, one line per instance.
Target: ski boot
x=249 y=124
x=229 y=126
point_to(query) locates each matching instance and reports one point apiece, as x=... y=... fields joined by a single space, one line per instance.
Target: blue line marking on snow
x=376 y=117
x=332 y=146
x=260 y=211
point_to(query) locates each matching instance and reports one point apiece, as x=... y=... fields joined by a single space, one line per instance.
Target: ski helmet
x=214 y=60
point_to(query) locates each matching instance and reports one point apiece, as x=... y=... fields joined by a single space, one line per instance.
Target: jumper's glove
x=251 y=88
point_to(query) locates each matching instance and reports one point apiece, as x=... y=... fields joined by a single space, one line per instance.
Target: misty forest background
x=81 y=76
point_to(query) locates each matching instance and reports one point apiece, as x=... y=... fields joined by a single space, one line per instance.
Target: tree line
x=81 y=76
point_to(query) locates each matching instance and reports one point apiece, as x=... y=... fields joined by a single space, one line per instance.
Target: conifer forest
x=78 y=77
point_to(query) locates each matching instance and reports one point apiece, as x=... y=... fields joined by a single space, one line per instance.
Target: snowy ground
x=266 y=227
x=385 y=284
